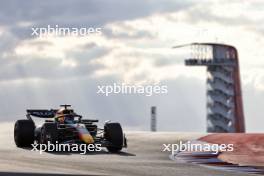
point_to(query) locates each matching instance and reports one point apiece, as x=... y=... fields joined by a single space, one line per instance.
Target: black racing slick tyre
x=49 y=132
x=24 y=133
x=113 y=133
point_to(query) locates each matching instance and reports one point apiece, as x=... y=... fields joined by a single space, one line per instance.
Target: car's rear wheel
x=113 y=133
x=24 y=133
x=49 y=132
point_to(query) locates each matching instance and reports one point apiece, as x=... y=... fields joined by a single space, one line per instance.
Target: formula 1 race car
x=65 y=126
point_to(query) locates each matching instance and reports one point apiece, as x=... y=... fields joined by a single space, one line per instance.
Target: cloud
x=135 y=47
x=132 y=111
x=78 y=13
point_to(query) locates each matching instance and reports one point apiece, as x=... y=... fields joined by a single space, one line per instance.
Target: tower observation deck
x=224 y=97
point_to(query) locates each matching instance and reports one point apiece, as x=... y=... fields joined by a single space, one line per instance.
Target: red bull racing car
x=65 y=126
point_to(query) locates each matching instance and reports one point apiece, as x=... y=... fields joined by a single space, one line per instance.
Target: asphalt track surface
x=143 y=156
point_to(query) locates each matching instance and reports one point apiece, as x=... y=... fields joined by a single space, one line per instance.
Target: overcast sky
x=134 y=47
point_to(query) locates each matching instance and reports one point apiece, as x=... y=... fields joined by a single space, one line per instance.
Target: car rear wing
x=45 y=113
x=41 y=113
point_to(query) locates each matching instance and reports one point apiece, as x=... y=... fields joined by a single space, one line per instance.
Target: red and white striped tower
x=224 y=96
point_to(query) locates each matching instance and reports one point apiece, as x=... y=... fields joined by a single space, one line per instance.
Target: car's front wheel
x=49 y=132
x=113 y=133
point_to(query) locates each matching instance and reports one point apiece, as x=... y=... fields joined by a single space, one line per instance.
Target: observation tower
x=224 y=96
